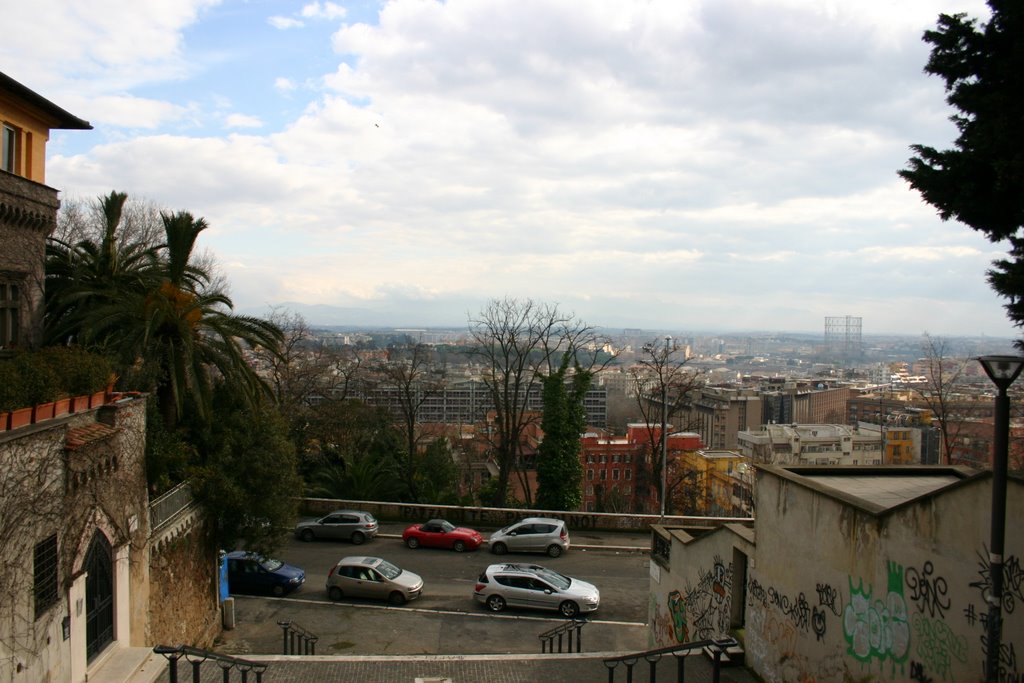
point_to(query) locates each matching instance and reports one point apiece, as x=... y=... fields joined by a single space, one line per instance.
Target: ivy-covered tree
x=559 y=471
x=247 y=479
x=980 y=181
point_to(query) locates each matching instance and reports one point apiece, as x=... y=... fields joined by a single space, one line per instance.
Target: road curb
x=574 y=546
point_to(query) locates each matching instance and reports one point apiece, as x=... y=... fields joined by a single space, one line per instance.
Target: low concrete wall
x=498 y=517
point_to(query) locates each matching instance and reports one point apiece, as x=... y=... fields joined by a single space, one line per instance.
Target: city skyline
x=725 y=165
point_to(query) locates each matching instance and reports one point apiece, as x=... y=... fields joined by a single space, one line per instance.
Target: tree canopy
x=980 y=181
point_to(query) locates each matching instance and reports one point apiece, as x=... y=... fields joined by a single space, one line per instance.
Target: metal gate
x=99 y=596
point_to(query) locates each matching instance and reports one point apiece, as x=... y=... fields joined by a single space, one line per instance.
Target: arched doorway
x=99 y=596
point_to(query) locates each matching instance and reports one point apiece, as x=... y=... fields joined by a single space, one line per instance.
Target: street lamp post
x=664 y=425
x=1002 y=370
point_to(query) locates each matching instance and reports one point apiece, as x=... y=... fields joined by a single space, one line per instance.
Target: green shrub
x=37 y=381
x=79 y=372
x=9 y=386
x=34 y=377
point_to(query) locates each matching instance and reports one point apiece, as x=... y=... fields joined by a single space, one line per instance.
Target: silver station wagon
x=536 y=587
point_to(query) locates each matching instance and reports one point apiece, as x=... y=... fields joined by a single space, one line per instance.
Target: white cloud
x=284 y=23
x=284 y=85
x=657 y=163
x=242 y=121
x=323 y=10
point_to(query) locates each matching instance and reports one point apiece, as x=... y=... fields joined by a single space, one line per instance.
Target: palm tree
x=158 y=312
x=85 y=275
x=188 y=329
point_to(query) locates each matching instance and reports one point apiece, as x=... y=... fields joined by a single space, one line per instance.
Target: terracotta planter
x=79 y=403
x=19 y=418
x=62 y=406
x=43 y=411
x=97 y=399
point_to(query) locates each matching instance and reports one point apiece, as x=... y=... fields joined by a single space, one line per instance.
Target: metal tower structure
x=843 y=337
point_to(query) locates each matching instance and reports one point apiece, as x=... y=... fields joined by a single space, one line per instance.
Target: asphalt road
x=445 y=619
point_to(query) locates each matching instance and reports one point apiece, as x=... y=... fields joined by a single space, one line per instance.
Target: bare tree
x=518 y=342
x=943 y=392
x=662 y=384
x=412 y=378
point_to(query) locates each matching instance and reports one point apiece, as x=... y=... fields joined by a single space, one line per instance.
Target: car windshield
x=389 y=570
x=447 y=527
x=270 y=564
x=560 y=582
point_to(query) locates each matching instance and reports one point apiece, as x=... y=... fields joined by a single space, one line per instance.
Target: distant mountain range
x=324 y=315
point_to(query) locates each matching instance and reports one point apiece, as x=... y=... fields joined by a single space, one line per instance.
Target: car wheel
x=554 y=550
x=358 y=538
x=412 y=543
x=334 y=593
x=499 y=549
x=396 y=598
x=307 y=535
x=459 y=546
x=569 y=609
x=278 y=591
x=495 y=603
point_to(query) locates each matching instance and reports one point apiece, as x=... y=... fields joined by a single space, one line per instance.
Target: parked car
x=252 y=573
x=440 y=533
x=533 y=534
x=372 y=577
x=536 y=587
x=352 y=525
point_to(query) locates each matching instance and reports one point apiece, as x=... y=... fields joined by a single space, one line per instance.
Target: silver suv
x=530 y=585
x=352 y=525
x=532 y=535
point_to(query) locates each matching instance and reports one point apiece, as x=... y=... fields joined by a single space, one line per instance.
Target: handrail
x=652 y=657
x=547 y=639
x=166 y=506
x=297 y=640
x=196 y=657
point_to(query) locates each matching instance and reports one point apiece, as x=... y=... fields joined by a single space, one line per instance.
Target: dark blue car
x=252 y=573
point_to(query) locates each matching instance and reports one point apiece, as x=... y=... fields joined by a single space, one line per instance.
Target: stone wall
x=184 y=607
x=494 y=518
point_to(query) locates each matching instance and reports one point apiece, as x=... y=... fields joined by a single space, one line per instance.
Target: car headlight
x=295 y=579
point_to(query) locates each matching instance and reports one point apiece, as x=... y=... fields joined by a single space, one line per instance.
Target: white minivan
x=532 y=535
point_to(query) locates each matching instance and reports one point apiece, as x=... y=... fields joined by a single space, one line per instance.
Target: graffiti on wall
x=1013 y=593
x=936 y=645
x=677 y=611
x=876 y=629
x=1013 y=580
x=928 y=592
x=703 y=610
x=803 y=616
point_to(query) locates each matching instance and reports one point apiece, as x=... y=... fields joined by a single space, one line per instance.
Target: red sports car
x=440 y=533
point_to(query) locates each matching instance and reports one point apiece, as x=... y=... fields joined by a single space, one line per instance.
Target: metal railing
x=165 y=507
x=297 y=640
x=196 y=658
x=574 y=626
x=679 y=653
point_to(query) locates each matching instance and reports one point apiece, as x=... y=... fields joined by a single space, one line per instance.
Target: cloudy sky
x=668 y=164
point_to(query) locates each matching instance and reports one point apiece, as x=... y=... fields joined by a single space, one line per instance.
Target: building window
x=616 y=458
x=9 y=314
x=604 y=459
x=615 y=474
x=590 y=475
x=590 y=459
x=629 y=474
x=629 y=458
x=590 y=490
x=9 y=155
x=45 y=574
